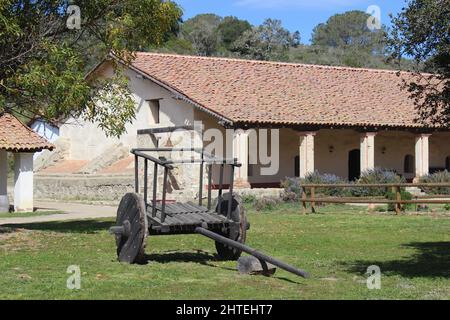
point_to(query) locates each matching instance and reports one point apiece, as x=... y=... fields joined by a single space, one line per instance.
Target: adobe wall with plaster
x=88 y=141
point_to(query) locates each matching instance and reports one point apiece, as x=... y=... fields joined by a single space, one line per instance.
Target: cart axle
x=123 y=230
x=251 y=251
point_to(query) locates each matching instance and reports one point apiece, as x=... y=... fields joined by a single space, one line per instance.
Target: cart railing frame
x=167 y=165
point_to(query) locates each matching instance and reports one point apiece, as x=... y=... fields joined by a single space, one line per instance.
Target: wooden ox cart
x=225 y=222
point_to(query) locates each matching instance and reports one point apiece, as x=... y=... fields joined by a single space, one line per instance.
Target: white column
x=23 y=182
x=422 y=155
x=4 y=203
x=306 y=152
x=240 y=151
x=368 y=151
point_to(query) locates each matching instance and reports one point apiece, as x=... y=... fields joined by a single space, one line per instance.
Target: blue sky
x=301 y=15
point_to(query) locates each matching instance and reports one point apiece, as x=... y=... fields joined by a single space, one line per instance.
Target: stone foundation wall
x=79 y=187
x=113 y=188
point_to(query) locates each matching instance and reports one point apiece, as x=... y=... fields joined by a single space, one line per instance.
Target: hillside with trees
x=342 y=40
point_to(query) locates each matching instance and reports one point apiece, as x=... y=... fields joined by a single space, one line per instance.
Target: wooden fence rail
x=396 y=189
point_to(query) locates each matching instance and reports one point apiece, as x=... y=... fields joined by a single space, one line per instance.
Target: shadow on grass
x=5 y=230
x=82 y=226
x=431 y=260
x=202 y=257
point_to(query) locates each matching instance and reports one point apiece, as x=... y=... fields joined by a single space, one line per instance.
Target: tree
x=422 y=31
x=201 y=31
x=350 y=31
x=230 y=29
x=331 y=56
x=266 y=42
x=43 y=62
x=177 y=45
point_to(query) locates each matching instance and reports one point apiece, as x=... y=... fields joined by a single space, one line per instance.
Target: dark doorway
x=297 y=166
x=354 y=165
x=408 y=166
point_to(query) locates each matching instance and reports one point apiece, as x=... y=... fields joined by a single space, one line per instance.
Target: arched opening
x=354 y=164
x=408 y=165
x=297 y=166
x=447 y=163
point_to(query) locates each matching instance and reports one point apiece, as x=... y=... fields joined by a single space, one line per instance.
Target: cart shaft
x=251 y=251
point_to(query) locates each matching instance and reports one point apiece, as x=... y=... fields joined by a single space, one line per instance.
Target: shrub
x=248 y=199
x=317 y=178
x=376 y=176
x=381 y=209
x=289 y=197
x=294 y=185
x=404 y=196
x=266 y=203
x=438 y=177
x=291 y=185
x=447 y=207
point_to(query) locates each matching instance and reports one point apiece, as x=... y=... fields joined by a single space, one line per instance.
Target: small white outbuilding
x=17 y=138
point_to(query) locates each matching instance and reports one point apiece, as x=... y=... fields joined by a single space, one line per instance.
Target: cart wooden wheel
x=131 y=229
x=238 y=233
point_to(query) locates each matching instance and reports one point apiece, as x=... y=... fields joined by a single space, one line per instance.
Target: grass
x=28 y=214
x=336 y=246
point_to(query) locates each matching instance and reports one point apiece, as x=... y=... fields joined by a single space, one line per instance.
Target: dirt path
x=73 y=211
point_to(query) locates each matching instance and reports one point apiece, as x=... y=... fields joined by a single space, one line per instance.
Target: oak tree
x=422 y=32
x=44 y=55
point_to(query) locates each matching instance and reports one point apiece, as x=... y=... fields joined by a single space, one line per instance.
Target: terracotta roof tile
x=121 y=166
x=285 y=93
x=66 y=166
x=17 y=137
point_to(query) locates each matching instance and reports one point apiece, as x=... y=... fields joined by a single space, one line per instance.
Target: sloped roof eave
x=179 y=95
x=17 y=137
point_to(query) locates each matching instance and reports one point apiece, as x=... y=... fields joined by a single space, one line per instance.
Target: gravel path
x=73 y=211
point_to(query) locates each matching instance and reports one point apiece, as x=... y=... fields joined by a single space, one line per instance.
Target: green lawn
x=336 y=246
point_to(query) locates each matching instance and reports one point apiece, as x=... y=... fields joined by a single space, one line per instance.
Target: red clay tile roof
x=17 y=137
x=283 y=93
x=66 y=166
x=122 y=166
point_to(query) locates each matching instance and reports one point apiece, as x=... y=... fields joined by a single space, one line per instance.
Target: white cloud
x=268 y=4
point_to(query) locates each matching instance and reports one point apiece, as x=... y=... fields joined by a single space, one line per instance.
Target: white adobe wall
x=396 y=146
x=209 y=122
x=391 y=147
x=289 y=149
x=88 y=141
x=439 y=149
